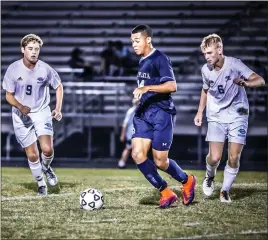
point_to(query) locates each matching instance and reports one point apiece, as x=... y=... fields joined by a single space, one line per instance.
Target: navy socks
x=149 y=170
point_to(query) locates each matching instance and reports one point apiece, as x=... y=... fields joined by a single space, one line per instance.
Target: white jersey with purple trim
x=31 y=86
x=226 y=101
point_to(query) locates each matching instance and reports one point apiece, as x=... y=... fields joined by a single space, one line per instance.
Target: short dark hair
x=143 y=29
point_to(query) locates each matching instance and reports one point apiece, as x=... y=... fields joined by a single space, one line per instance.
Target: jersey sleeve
x=53 y=78
x=205 y=80
x=165 y=69
x=9 y=83
x=242 y=69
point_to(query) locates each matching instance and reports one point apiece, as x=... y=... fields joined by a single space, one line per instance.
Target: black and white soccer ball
x=91 y=199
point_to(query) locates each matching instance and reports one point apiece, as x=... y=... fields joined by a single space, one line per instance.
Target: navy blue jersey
x=155 y=69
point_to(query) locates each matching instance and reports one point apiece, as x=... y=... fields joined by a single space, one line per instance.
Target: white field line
x=16 y=217
x=214 y=235
x=107 y=190
x=101 y=220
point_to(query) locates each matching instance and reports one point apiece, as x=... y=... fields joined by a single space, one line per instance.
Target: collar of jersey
x=148 y=55
x=223 y=66
x=30 y=70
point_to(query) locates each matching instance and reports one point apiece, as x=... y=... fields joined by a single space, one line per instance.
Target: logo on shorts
x=48 y=126
x=133 y=130
x=241 y=132
x=164 y=144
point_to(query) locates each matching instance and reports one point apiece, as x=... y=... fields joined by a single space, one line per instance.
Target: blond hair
x=30 y=38
x=212 y=39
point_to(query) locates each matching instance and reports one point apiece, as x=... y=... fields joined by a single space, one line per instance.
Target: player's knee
x=233 y=160
x=161 y=163
x=138 y=156
x=47 y=150
x=33 y=156
x=214 y=159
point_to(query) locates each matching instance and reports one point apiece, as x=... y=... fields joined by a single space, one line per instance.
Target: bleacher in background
x=178 y=26
x=178 y=31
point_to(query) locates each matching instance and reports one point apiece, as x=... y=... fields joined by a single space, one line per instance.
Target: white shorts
x=235 y=132
x=29 y=127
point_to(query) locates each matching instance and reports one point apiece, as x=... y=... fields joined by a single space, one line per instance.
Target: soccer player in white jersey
x=227 y=109
x=127 y=132
x=27 y=84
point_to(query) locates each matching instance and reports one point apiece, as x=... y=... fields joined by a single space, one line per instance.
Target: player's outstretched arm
x=56 y=113
x=13 y=102
x=254 y=80
x=202 y=104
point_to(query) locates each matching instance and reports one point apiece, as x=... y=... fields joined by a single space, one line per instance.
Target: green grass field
x=130 y=208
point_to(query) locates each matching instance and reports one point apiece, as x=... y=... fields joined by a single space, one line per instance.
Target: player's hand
x=56 y=114
x=138 y=92
x=198 y=119
x=241 y=82
x=24 y=109
x=122 y=138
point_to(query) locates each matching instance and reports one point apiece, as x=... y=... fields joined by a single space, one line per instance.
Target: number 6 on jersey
x=220 y=88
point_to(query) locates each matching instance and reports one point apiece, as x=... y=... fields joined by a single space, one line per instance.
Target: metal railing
x=95 y=104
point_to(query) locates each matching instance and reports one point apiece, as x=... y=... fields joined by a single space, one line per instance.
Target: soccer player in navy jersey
x=154 y=119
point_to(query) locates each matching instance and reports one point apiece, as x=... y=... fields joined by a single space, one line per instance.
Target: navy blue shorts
x=157 y=125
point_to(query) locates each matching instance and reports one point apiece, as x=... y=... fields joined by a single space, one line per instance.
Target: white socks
x=211 y=170
x=229 y=177
x=36 y=169
x=47 y=160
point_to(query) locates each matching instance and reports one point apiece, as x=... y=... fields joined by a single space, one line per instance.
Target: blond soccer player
x=227 y=109
x=27 y=83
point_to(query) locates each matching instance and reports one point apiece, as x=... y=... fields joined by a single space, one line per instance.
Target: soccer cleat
x=208 y=186
x=42 y=191
x=188 y=190
x=224 y=197
x=50 y=175
x=168 y=198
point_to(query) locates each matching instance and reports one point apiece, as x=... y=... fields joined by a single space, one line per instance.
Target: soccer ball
x=91 y=199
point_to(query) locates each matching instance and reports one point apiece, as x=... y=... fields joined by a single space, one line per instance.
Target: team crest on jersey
x=19 y=79
x=40 y=80
x=228 y=78
x=210 y=83
x=143 y=75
